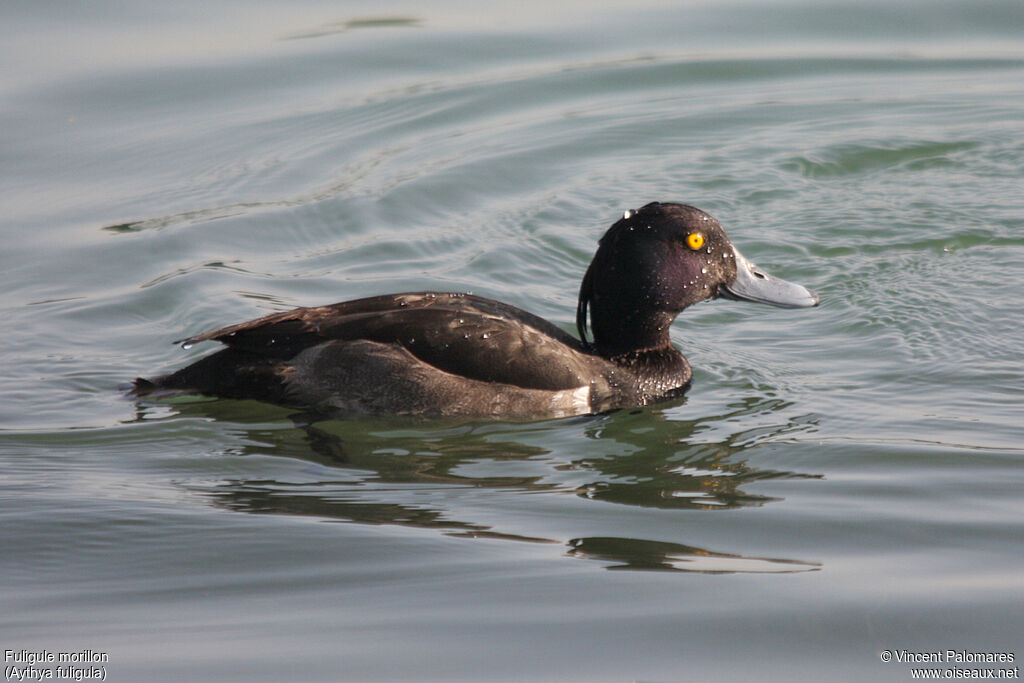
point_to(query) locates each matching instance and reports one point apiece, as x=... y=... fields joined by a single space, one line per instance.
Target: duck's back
x=413 y=353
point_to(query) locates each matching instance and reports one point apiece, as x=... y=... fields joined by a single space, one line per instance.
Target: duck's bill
x=753 y=284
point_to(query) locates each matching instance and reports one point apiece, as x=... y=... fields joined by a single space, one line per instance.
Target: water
x=838 y=483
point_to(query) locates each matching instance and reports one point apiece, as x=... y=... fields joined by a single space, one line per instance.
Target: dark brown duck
x=433 y=353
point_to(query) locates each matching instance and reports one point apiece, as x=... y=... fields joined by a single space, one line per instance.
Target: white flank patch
x=571 y=401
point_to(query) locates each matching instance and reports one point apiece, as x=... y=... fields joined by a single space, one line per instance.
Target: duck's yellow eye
x=695 y=240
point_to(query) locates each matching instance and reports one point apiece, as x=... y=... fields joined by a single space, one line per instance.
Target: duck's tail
x=225 y=374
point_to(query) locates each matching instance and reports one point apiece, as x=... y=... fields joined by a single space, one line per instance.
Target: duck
x=438 y=354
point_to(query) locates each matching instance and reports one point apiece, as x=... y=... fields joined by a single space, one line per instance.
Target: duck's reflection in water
x=431 y=474
x=635 y=553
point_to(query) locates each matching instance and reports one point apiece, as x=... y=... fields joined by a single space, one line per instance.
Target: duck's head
x=657 y=260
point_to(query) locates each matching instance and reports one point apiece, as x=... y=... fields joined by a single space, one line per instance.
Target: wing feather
x=461 y=334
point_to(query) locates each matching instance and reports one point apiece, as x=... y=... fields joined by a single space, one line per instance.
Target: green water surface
x=839 y=482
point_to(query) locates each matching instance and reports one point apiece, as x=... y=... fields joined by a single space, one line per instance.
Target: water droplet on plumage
x=187 y=345
x=627 y=214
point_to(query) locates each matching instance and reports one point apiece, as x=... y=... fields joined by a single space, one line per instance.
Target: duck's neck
x=622 y=332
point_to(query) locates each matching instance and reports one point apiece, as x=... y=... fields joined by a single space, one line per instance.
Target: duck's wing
x=461 y=334
x=277 y=333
